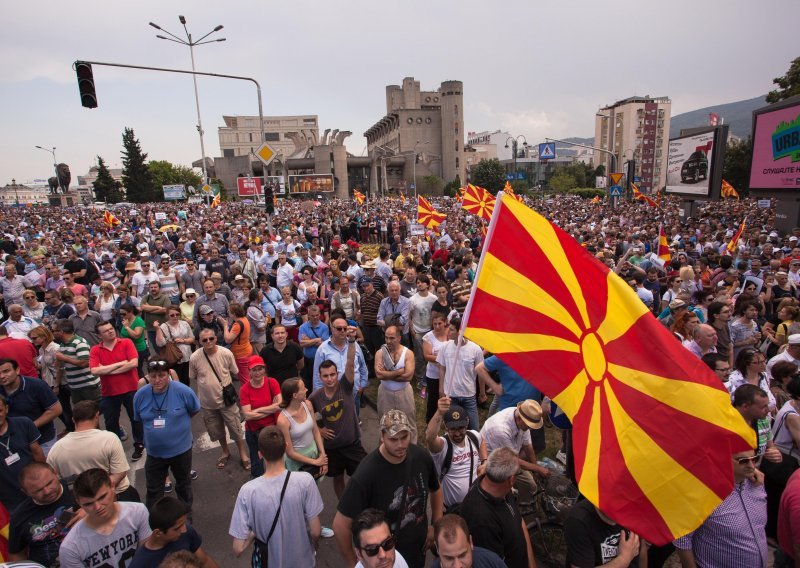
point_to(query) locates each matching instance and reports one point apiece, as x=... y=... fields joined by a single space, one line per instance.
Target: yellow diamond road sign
x=206 y=188
x=266 y=154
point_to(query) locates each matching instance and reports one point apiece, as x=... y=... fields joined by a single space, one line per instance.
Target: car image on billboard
x=690 y=163
x=695 y=168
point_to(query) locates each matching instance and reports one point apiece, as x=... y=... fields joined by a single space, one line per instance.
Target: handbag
x=260 y=557
x=170 y=352
x=229 y=394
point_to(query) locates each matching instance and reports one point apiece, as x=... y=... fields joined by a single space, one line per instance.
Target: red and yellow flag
x=216 y=201
x=478 y=201
x=639 y=195
x=110 y=220
x=359 y=197
x=653 y=430
x=427 y=215
x=460 y=194
x=663 y=245
x=734 y=242
x=596 y=199
x=403 y=198
x=510 y=191
x=728 y=190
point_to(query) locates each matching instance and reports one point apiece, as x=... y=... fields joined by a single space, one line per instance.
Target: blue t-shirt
x=175 y=407
x=18 y=438
x=146 y=558
x=322 y=331
x=515 y=388
x=31 y=400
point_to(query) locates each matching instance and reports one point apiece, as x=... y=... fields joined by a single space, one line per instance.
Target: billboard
x=690 y=163
x=311 y=183
x=776 y=149
x=174 y=192
x=254 y=187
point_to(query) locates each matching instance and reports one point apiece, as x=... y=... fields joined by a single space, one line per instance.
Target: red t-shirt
x=789 y=515
x=124 y=350
x=23 y=352
x=258 y=398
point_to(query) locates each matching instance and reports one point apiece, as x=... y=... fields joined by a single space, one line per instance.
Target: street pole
x=55 y=166
x=197 y=104
x=514 y=146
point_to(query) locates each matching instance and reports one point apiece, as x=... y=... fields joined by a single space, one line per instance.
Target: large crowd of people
x=276 y=331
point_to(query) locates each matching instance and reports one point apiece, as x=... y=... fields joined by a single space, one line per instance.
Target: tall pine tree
x=106 y=188
x=136 y=176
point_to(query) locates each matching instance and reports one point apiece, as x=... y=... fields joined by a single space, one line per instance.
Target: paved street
x=215 y=492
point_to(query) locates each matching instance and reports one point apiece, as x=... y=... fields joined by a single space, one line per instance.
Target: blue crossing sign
x=615 y=191
x=547 y=151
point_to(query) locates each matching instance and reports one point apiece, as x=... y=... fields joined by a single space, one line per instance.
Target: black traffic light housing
x=269 y=199
x=86 y=84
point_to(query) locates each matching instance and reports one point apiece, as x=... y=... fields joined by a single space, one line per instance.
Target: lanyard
x=7 y=446
x=160 y=407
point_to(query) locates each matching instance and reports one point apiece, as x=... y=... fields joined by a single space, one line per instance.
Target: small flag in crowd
x=510 y=191
x=728 y=190
x=359 y=197
x=403 y=198
x=215 y=202
x=663 y=245
x=427 y=215
x=653 y=430
x=110 y=220
x=641 y=196
x=734 y=242
x=478 y=201
x=596 y=199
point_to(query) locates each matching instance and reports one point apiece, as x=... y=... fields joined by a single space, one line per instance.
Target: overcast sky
x=533 y=68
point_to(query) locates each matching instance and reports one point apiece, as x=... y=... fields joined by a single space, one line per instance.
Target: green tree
x=736 y=169
x=432 y=185
x=562 y=181
x=789 y=84
x=452 y=187
x=106 y=188
x=519 y=186
x=136 y=175
x=165 y=173
x=489 y=174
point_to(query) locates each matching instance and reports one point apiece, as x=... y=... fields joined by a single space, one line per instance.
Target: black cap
x=456 y=417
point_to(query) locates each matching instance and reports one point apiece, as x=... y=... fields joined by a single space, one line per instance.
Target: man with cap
x=510 y=428
x=259 y=398
x=217 y=302
x=790 y=354
x=397 y=478
x=676 y=308
x=492 y=515
x=457 y=455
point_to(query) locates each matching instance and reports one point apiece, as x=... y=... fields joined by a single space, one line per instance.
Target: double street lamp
x=514 y=143
x=55 y=166
x=191 y=43
x=416 y=191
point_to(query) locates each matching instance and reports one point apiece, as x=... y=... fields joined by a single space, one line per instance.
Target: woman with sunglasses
x=180 y=333
x=187 y=306
x=31 y=307
x=124 y=298
x=673 y=289
x=104 y=305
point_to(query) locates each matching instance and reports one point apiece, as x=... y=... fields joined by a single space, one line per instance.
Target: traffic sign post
x=266 y=154
x=547 y=151
x=615 y=191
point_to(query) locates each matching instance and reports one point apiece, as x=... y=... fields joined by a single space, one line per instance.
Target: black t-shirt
x=218 y=265
x=496 y=524
x=145 y=557
x=338 y=414
x=590 y=540
x=437 y=307
x=282 y=365
x=380 y=484
x=21 y=433
x=36 y=528
x=76 y=266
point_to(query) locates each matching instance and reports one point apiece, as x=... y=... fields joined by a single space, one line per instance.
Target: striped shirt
x=370 y=303
x=77 y=377
x=169 y=283
x=734 y=534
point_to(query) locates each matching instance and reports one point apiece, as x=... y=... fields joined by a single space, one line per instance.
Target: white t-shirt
x=421 y=312
x=399 y=561
x=432 y=369
x=500 y=431
x=456 y=483
x=460 y=371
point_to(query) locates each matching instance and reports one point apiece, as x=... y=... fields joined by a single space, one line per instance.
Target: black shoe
x=138 y=450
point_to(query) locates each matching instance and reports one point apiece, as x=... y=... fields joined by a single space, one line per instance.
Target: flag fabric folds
x=403 y=198
x=637 y=194
x=110 y=220
x=653 y=429
x=216 y=201
x=427 y=215
x=734 y=242
x=663 y=245
x=596 y=199
x=510 y=192
x=478 y=201
x=359 y=197
x=728 y=190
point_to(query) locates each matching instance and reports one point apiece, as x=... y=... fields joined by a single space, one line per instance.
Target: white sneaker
x=326 y=532
x=562 y=456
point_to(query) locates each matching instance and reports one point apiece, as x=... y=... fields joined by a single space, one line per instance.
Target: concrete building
x=90 y=177
x=241 y=135
x=22 y=194
x=422 y=133
x=480 y=140
x=636 y=128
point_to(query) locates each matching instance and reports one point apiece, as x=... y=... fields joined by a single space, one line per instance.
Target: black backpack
x=448 y=455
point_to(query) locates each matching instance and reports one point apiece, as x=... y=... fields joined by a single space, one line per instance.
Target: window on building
x=457 y=162
x=456 y=145
x=227 y=153
x=272 y=137
x=455 y=110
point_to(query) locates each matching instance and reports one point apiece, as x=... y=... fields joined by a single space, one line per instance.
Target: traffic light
x=86 y=84
x=269 y=199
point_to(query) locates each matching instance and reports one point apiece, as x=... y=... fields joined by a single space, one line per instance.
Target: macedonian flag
x=110 y=220
x=728 y=190
x=478 y=201
x=359 y=197
x=510 y=191
x=663 y=246
x=653 y=427
x=216 y=201
x=427 y=215
x=639 y=195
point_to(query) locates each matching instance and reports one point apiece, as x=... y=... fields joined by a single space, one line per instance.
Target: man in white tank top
x=394 y=366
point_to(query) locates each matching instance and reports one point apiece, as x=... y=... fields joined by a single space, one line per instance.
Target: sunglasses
x=340 y=328
x=158 y=366
x=742 y=461
x=373 y=549
x=208 y=340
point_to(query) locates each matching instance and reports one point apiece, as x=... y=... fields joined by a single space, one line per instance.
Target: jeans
x=470 y=405
x=111 y=407
x=151 y=341
x=256 y=463
x=157 y=469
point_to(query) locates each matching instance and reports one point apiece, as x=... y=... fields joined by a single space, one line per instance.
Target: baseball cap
x=164 y=257
x=530 y=412
x=677 y=304
x=793 y=339
x=455 y=417
x=206 y=309
x=255 y=361
x=394 y=421
x=364 y=280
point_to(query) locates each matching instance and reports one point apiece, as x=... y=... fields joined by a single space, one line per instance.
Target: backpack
x=472 y=440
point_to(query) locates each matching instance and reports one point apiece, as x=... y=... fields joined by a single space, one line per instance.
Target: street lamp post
x=55 y=166
x=416 y=191
x=514 y=142
x=191 y=44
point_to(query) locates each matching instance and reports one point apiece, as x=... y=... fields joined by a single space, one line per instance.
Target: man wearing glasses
x=165 y=409
x=191 y=277
x=734 y=534
x=373 y=542
x=141 y=279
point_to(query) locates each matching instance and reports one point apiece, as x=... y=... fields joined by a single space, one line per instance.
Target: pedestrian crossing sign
x=547 y=151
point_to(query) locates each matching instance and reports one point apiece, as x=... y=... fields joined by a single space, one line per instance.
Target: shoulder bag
x=229 y=394
x=170 y=352
x=260 y=558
